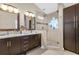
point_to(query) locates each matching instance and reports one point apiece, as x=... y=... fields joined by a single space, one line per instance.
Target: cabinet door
x=37 y=40
x=34 y=41
x=3 y=47
x=14 y=46
x=69 y=28
x=24 y=43
x=77 y=28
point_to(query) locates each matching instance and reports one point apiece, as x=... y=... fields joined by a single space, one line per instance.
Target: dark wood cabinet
x=3 y=47
x=71 y=28
x=34 y=41
x=14 y=45
x=77 y=28
x=19 y=45
x=30 y=42
x=24 y=44
x=9 y=46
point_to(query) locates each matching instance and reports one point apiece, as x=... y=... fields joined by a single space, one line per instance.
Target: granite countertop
x=16 y=35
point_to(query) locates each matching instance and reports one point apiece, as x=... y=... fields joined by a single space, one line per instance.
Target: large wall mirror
x=29 y=20
x=9 y=18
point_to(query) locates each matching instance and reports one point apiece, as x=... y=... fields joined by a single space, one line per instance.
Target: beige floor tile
x=36 y=51
x=40 y=51
x=58 y=52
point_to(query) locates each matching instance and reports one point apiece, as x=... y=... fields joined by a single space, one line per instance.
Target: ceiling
x=50 y=7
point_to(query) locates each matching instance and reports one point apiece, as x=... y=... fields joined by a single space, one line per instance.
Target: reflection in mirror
x=9 y=20
x=29 y=19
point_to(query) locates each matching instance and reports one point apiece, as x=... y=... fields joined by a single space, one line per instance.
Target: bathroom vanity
x=19 y=44
x=12 y=44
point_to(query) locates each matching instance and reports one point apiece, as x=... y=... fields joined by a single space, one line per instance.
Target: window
x=53 y=23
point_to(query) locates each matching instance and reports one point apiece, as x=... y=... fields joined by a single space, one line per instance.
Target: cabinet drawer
x=25 y=42
x=26 y=45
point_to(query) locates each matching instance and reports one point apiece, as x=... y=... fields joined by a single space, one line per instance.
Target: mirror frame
x=18 y=22
x=18 y=25
x=30 y=25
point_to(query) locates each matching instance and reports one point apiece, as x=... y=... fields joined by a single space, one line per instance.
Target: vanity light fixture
x=16 y=10
x=30 y=14
x=3 y=7
x=33 y=15
x=10 y=9
x=27 y=13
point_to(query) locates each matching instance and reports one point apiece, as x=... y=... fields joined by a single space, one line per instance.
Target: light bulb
x=33 y=15
x=27 y=13
x=16 y=10
x=10 y=9
x=30 y=14
x=3 y=7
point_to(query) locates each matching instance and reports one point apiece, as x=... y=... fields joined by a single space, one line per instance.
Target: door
x=69 y=28
x=14 y=45
x=3 y=47
x=77 y=28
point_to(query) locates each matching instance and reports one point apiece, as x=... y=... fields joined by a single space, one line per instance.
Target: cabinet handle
x=25 y=42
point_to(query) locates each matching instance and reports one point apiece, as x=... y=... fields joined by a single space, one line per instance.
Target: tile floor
x=40 y=51
x=36 y=51
x=58 y=52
